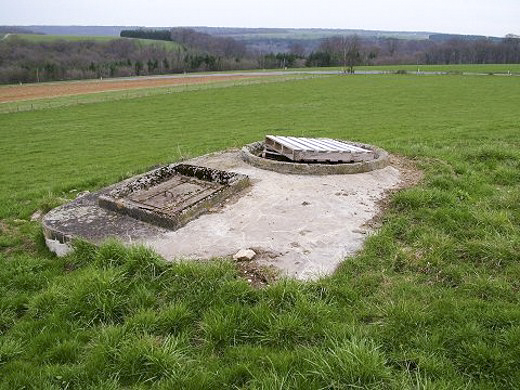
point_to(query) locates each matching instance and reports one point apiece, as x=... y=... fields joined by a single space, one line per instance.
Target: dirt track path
x=69 y=88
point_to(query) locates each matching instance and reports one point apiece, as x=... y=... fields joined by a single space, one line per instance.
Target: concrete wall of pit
x=251 y=154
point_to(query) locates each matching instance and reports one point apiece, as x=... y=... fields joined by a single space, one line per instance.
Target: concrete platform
x=303 y=225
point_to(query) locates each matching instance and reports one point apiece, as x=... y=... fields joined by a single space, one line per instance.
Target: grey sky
x=484 y=17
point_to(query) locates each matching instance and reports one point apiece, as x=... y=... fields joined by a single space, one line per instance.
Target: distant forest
x=337 y=51
x=24 y=60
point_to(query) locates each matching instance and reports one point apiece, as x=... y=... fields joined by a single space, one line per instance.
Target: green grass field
x=432 y=302
x=98 y=97
x=464 y=68
x=96 y=38
x=451 y=69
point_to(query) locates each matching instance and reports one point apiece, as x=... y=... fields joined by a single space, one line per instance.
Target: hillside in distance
x=65 y=53
x=306 y=33
x=281 y=39
x=240 y=33
x=262 y=40
x=113 y=31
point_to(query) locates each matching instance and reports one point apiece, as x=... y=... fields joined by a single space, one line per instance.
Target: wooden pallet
x=317 y=149
x=273 y=155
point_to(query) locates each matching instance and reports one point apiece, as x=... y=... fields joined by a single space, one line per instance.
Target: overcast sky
x=483 y=17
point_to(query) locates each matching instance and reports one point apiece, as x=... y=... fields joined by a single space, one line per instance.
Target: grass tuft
x=349 y=363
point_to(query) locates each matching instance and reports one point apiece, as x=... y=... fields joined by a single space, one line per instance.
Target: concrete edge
x=250 y=154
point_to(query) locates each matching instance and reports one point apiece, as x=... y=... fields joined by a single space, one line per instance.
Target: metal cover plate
x=173 y=195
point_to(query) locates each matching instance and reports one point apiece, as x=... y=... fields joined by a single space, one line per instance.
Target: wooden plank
x=335 y=146
x=308 y=144
x=289 y=142
x=346 y=146
x=280 y=142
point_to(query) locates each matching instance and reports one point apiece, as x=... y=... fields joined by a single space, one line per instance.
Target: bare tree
x=392 y=46
x=297 y=49
x=350 y=49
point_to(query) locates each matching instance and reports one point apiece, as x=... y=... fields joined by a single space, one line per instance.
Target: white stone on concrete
x=244 y=255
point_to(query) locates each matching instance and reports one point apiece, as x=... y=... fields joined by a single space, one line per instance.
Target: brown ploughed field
x=57 y=89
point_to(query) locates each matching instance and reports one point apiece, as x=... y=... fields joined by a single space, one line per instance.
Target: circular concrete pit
x=301 y=219
x=252 y=154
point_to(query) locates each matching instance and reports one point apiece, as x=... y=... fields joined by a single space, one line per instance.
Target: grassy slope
x=432 y=301
x=76 y=38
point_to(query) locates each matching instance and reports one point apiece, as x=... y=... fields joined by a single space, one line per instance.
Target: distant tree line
x=30 y=61
x=351 y=51
x=159 y=35
x=482 y=51
x=24 y=61
x=217 y=46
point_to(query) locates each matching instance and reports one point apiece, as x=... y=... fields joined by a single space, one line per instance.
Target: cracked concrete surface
x=306 y=225
x=302 y=225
